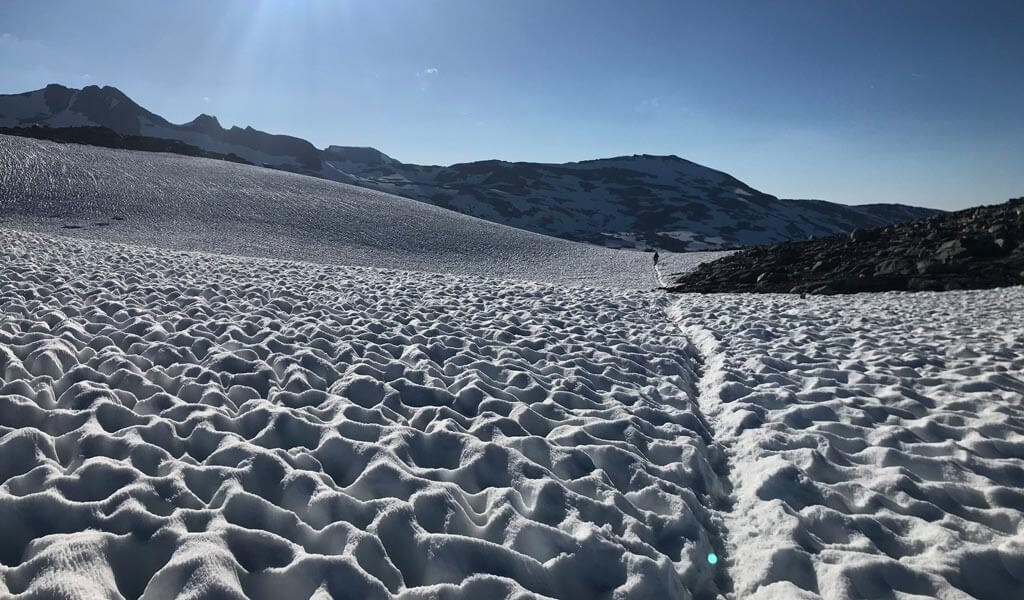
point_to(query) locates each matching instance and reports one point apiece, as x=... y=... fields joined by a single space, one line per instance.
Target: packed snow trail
x=672 y=264
x=876 y=441
x=186 y=425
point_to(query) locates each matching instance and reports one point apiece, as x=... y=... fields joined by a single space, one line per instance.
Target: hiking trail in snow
x=876 y=441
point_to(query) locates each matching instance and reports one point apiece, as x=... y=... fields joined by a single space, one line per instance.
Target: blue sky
x=856 y=101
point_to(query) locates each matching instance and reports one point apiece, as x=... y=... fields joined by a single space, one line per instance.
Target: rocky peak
x=205 y=123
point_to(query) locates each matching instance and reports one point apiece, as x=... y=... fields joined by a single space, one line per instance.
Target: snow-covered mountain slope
x=189 y=203
x=193 y=426
x=631 y=201
x=875 y=441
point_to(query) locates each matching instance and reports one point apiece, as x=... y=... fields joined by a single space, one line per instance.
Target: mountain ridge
x=640 y=201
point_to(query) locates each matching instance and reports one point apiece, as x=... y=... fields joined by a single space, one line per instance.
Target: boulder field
x=976 y=248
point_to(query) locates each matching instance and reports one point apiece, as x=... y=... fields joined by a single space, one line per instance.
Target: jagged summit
x=205 y=122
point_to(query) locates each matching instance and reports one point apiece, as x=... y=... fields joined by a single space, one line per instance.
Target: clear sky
x=856 y=101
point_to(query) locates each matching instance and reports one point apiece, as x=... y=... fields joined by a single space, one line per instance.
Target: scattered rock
x=894 y=266
x=950 y=251
x=865 y=235
x=929 y=267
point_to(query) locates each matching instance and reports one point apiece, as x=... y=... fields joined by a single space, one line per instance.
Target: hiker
x=655 y=258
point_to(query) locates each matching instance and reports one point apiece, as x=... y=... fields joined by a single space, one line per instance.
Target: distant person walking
x=655 y=258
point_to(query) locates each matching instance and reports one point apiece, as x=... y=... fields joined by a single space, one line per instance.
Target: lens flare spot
x=712 y=557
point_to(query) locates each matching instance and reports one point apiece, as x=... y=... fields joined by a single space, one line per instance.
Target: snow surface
x=188 y=203
x=195 y=425
x=184 y=425
x=876 y=441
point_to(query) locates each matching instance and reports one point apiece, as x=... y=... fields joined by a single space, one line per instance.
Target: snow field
x=183 y=425
x=189 y=425
x=875 y=441
x=198 y=204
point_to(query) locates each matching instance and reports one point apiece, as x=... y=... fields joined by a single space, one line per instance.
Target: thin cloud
x=11 y=41
x=648 y=105
x=425 y=76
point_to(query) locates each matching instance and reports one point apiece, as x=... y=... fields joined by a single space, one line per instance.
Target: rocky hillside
x=979 y=247
x=637 y=201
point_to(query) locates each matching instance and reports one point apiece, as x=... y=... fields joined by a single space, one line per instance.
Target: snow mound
x=185 y=425
x=188 y=203
x=876 y=441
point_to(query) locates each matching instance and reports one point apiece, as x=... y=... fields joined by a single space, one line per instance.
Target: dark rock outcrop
x=980 y=247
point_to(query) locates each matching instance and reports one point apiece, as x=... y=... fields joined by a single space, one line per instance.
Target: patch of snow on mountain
x=68 y=118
